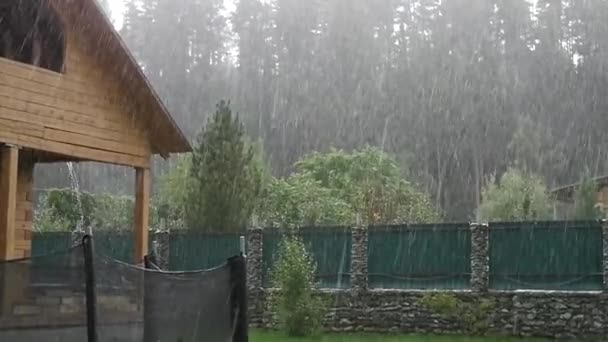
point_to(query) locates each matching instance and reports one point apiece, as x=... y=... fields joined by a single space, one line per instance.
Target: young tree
x=298 y=311
x=226 y=177
x=517 y=196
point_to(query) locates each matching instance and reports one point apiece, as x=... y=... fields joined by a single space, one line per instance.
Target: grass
x=258 y=336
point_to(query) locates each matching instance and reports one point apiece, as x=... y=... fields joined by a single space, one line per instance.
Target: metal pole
x=87 y=244
x=243 y=246
x=238 y=298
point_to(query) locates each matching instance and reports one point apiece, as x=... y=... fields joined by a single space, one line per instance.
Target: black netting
x=43 y=298
x=178 y=309
x=119 y=290
x=150 y=305
x=79 y=296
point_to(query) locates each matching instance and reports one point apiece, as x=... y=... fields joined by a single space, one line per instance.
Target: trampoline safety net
x=82 y=296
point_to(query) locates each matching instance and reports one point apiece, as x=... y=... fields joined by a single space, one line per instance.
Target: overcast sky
x=118 y=8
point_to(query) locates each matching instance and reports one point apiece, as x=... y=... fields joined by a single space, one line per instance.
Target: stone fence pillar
x=161 y=249
x=255 y=245
x=480 y=257
x=358 y=265
x=605 y=253
x=256 y=297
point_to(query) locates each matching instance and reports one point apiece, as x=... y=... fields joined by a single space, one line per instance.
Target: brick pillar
x=255 y=246
x=358 y=266
x=605 y=253
x=480 y=257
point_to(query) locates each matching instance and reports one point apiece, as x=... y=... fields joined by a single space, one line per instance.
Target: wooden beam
x=142 y=210
x=81 y=152
x=9 y=162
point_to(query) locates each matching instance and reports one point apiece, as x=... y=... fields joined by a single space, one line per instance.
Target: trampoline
x=78 y=295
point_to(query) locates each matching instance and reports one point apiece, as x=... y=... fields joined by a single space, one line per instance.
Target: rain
x=432 y=147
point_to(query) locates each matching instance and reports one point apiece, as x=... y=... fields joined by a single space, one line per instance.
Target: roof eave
x=181 y=143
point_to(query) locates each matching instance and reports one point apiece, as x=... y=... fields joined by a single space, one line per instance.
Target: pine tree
x=226 y=175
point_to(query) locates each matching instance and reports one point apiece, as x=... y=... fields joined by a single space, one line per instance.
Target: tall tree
x=226 y=178
x=457 y=90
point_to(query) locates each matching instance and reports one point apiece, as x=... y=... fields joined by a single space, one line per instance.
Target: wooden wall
x=86 y=113
x=24 y=216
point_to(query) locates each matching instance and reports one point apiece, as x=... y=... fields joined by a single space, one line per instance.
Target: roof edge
x=179 y=134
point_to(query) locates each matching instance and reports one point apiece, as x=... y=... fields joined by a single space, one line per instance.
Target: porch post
x=9 y=161
x=142 y=200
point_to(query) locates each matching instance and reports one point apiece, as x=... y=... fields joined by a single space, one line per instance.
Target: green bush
x=298 y=311
x=45 y=219
x=113 y=213
x=299 y=201
x=519 y=196
x=474 y=315
x=62 y=210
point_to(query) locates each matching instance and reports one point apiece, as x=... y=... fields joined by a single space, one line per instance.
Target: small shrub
x=474 y=316
x=443 y=304
x=299 y=312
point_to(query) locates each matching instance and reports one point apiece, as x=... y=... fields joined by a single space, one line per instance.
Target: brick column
x=358 y=265
x=480 y=257
x=605 y=253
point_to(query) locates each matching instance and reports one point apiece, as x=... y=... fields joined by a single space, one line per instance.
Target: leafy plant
x=46 y=220
x=334 y=187
x=112 y=212
x=299 y=312
x=474 y=315
x=172 y=195
x=60 y=210
x=518 y=196
x=299 y=200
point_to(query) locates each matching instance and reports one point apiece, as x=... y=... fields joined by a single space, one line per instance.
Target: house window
x=31 y=32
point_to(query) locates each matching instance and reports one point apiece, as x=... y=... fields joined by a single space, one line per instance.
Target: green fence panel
x=196 y=251
x=50 y=242
x=546 y=255
x=116 y=245
x=419 y=256
x=330 y=248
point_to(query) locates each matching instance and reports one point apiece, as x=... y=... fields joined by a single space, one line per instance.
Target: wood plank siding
x=24 y=215
x=86 y=112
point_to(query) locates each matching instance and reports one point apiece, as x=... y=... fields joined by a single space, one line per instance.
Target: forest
x=458 y=91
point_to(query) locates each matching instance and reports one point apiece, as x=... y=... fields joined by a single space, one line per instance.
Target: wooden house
x=565 y=197
x=71 y=91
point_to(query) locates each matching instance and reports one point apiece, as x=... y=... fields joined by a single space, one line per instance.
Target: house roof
x=567 y=191
x=165 y=135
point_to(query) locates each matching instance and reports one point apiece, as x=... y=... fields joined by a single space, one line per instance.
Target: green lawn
x=276 y=337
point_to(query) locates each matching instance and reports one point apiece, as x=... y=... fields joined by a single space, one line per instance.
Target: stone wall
x=554 y=314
